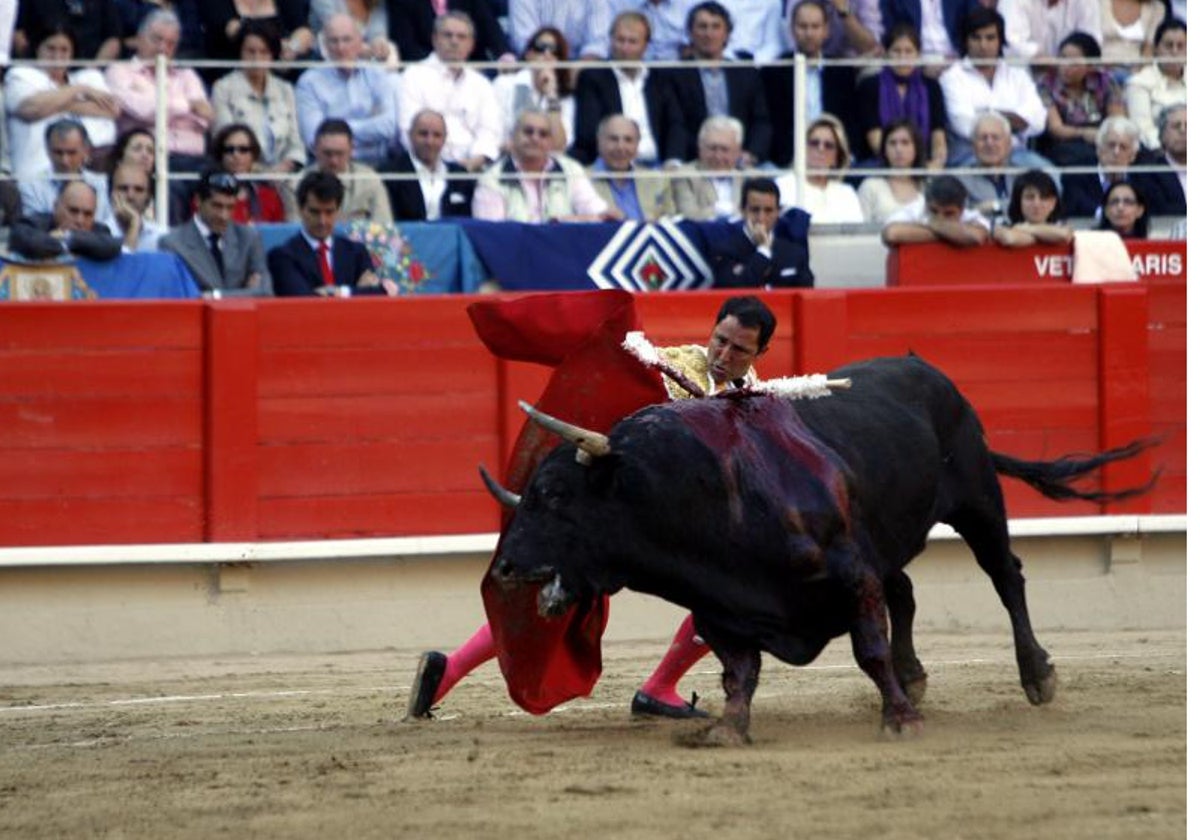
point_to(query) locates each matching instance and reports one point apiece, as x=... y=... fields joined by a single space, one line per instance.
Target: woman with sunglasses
x=253 y=95
x=236 y=150
x=1035 y=213
x=828 y=200
x=1124 y=211
x=37 y=96
x=545 y=88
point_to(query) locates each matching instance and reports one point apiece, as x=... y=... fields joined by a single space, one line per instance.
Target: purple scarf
x=914 y=106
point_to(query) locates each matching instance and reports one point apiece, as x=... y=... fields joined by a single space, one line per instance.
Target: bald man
x=70 y=230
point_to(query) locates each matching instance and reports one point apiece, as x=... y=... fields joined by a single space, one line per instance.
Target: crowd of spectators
x=1019 y=113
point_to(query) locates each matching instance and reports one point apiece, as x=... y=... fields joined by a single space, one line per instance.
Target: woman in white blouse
x=882 y=195
x=826 y=197
x=36 y=96
x=1160 y=84
x=255 y=96
x=546 y=88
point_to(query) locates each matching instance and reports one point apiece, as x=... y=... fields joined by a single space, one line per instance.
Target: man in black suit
x=1119 y=151
x=70 y=229
x=316 y=261
x=1169 y=197
x=757 y=255
x=722 y=90
x=432 y=195
x=599 y=93
x=830 y=89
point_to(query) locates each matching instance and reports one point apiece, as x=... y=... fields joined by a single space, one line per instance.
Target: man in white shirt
x=461 y=95
x=130 y=193
x=1035 y=28
x=69 y=149
x=982 y=81
x=942 y=216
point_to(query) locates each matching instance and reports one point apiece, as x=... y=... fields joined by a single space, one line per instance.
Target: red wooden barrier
x=232 y=420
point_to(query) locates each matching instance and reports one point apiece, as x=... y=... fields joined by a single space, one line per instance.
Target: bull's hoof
x=716 y=735
x=915 y=690
x=1042 y=691
x=901 y=724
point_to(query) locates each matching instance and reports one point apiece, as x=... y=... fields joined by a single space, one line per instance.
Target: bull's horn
x=499 y=492
x=593 y=443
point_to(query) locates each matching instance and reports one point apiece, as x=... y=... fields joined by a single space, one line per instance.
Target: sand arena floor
x=315 y=747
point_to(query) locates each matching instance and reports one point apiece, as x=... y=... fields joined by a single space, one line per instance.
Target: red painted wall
x=294 y=419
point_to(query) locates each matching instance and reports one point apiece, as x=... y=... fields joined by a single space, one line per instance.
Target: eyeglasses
x=818 y=143
x=544 y=47
x=531 y=131
x=240 y=150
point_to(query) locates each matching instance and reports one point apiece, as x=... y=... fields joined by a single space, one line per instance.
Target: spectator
x=715 y=90
x=1125 y=211
x=1078 y=97
x=982 y=80
x=189 y=113
x=666 y=24
x=36 y=96
x=1172 y=186
x=434 y=194
x=899 y=91
x=550 y=89
x=255 y=96
x=10 y=202
x=583 y=23
x=236 y=151
x=224 y=20
x=131 y=189
x=1160 y=84
x=759 y=34
x=363 y=194
x=615 y=177
x=714 y=190
x=1036 y=28
x=371 y=17
x=69 y=150
x=316 y=261
x=853 y=27
x=191 y=32
x=992 y=148
x=1034 y=213
x=225 y=258
x=94 y=25
x=361 y=96
x=70 y=229
x=943 y=216
x=1118 y=149
x=135 y=146
x=757 y=255
x=1126 y=31
x=647 y=96
x=826 y=198
x=463 y=96
x=827 y=89
x=882 y=195
x=939 y=32
x=532 y=185
x=412 y=23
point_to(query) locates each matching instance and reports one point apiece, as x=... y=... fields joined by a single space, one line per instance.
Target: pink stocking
x=686 y=650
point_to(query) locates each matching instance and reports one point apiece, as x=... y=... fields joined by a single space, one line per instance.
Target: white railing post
x=161 y=172
x=799 y=122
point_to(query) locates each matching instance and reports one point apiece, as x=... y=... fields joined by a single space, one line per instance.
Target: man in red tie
x=316 y=261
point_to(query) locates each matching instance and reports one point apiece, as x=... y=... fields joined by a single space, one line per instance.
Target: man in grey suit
x=712 y=192
x=227 y=259
x=641 y=199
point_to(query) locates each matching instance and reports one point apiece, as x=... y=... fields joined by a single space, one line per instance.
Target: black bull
x=783 y=525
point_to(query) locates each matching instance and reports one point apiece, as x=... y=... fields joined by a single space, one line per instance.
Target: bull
x=784 y=524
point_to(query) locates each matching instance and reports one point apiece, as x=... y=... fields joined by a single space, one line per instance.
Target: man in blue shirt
x=362 y=96
x=641 y=199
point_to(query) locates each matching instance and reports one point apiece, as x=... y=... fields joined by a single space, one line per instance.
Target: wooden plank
x=110 y=474
x=102 y=422
x=1037 y=356
x=979 y=309
x=102 y=324
x=443 y=369
x=391 y=417
x=342 y=469
x=75 y=521
x=91 y=372
x=379 y=515
x=383 y=323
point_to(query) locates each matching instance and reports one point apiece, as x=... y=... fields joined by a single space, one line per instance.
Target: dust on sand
x=314 y=746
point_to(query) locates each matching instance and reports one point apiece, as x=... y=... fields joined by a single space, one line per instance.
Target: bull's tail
x=1053 y=479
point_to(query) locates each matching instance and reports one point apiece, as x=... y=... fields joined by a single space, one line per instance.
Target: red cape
x=594 y=384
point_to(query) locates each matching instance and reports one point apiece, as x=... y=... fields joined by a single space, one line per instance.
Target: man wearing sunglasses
x=533 y=185
x=225 y=258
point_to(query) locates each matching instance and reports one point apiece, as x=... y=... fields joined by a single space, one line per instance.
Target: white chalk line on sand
x=584 y=705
